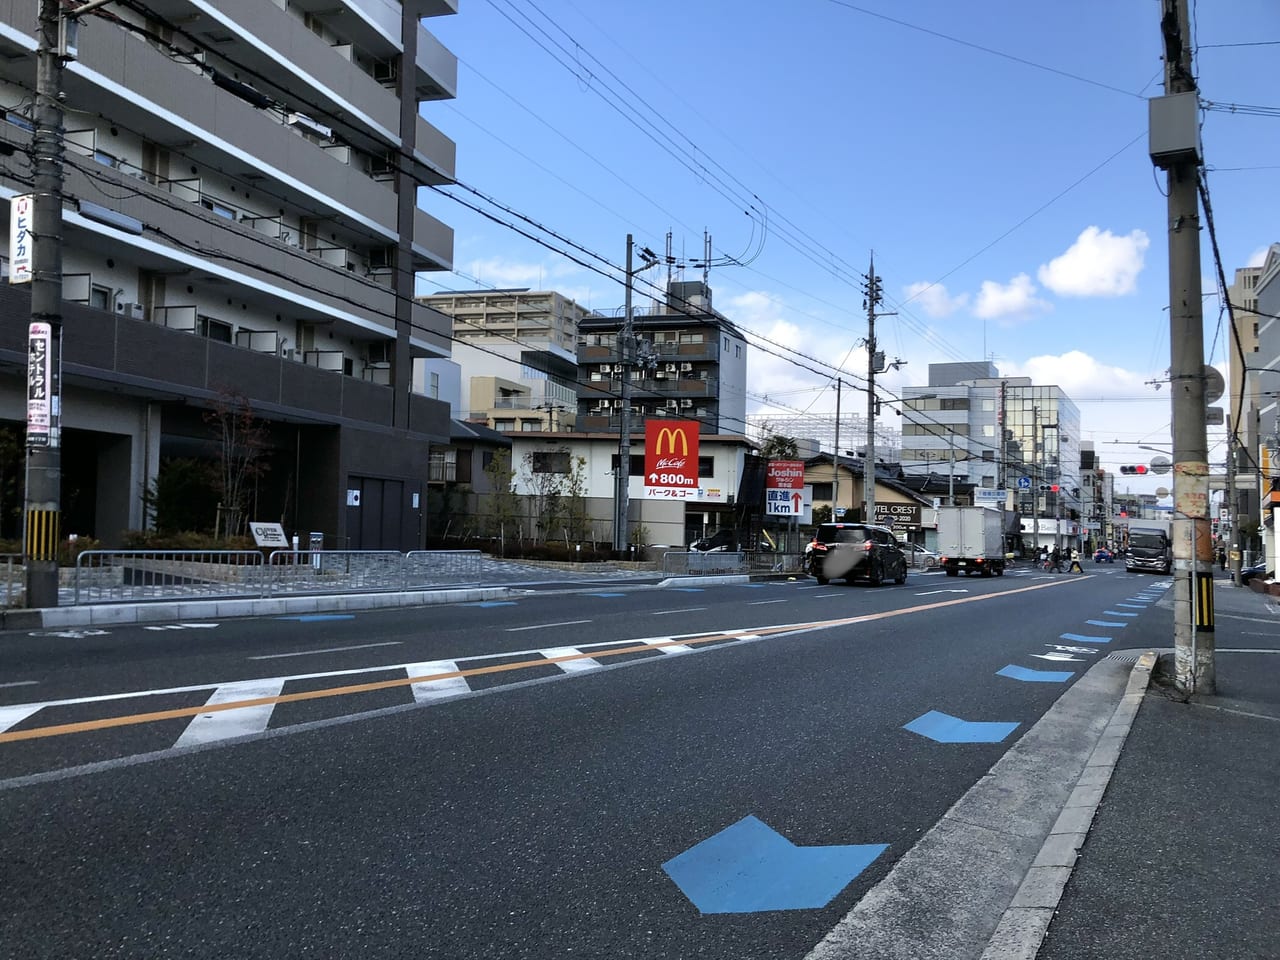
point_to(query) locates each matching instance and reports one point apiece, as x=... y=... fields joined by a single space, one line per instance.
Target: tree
x=503 y=501
x=779 y=447
x=544 y=474
x=575 y=501
x=242 y=442
x=182 y=496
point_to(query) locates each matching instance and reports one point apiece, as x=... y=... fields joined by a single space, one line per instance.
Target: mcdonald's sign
x=671 y=455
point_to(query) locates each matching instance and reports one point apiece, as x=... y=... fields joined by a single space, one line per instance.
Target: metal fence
x=138 y=576
x=14 y=578
x=697 y=563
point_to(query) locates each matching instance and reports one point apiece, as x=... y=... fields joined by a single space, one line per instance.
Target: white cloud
x=934 y=299
x=1098 y=264
x=499 y=272
x=1258 y=257
x=1016 y=299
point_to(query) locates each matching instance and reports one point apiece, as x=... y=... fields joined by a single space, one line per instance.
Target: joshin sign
x=670 y=458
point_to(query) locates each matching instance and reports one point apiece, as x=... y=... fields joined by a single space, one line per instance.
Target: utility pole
x=1175 y=146
x=835 y=458
x=42 y=510
x=626 y=350
x=1230 y=538
x=623 y=478
x=875 y=364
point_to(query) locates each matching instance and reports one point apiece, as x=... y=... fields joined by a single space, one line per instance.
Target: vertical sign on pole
x=20 y=239
x=784 y=488
x=39 y=386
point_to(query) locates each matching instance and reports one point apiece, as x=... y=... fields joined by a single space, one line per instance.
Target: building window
x=706 y=466
x=100 y=297
x=530 y=426
x=737 y=350
x=549 y=461
x=433 y=390
x=506 y=425
x=213 y=329
x=693 y=338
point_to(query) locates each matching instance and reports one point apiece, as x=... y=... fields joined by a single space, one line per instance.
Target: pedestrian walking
x=1055 y=560
x=1075 y=562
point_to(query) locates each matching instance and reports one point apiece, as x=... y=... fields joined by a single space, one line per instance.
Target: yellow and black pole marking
x=1204 y=602
x=42 y=534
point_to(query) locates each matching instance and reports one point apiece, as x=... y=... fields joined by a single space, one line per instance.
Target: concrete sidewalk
x=1182 y=857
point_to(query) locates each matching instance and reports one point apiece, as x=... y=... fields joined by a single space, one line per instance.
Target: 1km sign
x=671 y=458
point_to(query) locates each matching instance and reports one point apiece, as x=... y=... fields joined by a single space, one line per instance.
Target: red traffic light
x=1053 y=487
x=1140 y=468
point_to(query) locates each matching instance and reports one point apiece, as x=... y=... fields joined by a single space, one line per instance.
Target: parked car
x=1103 y=555
x=1256 y=572
x=858 y=551
x=723 y=540
x=919 y=556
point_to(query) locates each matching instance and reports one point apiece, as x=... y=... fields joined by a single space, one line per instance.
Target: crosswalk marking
x=12 y=716
x=577 y=665
x=428 y=690
x=212 y=727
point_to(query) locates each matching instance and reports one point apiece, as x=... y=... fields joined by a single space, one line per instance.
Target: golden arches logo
x=667 y=437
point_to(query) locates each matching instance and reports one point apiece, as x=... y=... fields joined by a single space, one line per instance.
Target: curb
x=1025 y=924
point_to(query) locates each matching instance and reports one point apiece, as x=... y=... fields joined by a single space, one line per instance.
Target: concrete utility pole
x=875 y=364
x=835 y=457
x=622 y=480
x=42 y=511
x=1175 y=146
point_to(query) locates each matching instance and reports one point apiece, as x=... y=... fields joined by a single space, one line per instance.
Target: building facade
x=240 y=225
x=686 y=361
x=1267 y=365
x=515 y=353
x=996 y=433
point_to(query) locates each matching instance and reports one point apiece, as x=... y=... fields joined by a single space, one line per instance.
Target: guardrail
x=698 y=563
x=139 y=576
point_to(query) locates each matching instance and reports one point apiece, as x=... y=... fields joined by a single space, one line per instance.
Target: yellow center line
x=105 y=723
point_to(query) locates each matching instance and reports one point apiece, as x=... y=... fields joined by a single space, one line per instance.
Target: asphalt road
x=525 y=803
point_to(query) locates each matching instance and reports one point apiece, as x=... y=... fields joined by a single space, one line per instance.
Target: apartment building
x=998 y=433
x=686 y=361
x=1267 y=363
x=240 y=220
x=514 y=353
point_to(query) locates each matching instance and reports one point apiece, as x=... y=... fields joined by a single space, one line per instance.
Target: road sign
x=783 y=503
x=1214 y=384
x=671 y=456
x=1024 y=483
x=1160 y=465
x=785 y=475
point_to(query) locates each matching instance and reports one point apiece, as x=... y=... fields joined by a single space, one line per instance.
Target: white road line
x=543 y=626
x=756 y=603
x=673 y=648
x=225 y=724
x=12 y=716
x=663 y=613
x=20 y=683
x=310 y=653
x=838 y=593
x=571 y=666
x=428 y=690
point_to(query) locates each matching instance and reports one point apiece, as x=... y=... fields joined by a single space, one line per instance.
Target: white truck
x=971 y=540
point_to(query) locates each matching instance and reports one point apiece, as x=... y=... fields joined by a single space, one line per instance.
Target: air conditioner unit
x=134 y=311
x=606 y=368
x=303 y=122
x=382 y=258
x=381 y=165
x=686 y=366
x=670 y=368
x=617 y=404
x=289 y=353
x=686 y=404
x=673 y=404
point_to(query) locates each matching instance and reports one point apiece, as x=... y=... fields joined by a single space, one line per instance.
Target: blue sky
x=992 y=155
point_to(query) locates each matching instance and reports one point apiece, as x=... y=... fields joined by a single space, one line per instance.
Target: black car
x=858 y=551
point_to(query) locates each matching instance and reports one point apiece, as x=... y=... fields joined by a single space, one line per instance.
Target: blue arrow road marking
x=490 y=603
x=606 y=594
x=1034 y=676
x=1117 y=613
x=948 y=729
x=1106 y=623
x=688 y=589
x=750 y=867
x=317 y=617
x=1081 y=638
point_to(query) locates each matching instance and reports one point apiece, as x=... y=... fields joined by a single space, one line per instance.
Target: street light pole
x=835 y=457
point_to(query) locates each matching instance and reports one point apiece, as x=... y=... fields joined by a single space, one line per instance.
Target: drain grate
x=1123 y=657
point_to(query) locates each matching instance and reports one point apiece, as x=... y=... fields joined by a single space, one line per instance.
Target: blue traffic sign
x=749 y=867
x=1024 y=483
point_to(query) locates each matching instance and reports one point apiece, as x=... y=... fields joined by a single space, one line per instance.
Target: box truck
x=971 y=540
x=1149 y=546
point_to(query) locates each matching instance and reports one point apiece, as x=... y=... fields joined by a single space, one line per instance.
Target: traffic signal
x=1139 y=469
